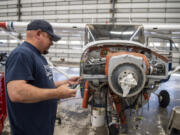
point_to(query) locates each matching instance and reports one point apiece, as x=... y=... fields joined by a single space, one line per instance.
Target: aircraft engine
x=126 y=73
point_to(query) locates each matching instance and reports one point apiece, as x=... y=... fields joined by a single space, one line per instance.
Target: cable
x=55 y=68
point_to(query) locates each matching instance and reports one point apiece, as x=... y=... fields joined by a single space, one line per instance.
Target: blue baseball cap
x=44 y=26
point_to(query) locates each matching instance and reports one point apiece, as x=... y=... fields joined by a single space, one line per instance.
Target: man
x=30 y=90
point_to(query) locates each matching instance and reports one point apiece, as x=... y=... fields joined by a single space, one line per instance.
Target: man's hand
x=65 y=92
x=74 y=80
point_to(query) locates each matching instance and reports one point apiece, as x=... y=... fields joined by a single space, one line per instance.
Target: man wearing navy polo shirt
x=30 y=90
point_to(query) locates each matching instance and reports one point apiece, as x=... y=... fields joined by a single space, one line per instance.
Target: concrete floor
x=76 y=121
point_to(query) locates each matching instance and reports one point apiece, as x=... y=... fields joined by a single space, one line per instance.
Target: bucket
x=97 y=117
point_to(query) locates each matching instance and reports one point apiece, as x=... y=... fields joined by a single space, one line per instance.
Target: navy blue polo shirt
x=26 y=63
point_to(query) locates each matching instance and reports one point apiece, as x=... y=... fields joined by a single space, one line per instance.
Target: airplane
x=119 y=70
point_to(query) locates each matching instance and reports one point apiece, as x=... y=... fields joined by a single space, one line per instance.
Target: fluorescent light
x=122 y=33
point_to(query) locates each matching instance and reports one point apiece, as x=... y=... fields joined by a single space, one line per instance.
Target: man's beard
x=45 y=52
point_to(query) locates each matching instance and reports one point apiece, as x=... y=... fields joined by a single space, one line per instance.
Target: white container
x=97 y=117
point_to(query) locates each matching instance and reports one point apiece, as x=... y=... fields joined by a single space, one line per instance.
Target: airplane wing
x=21 y=26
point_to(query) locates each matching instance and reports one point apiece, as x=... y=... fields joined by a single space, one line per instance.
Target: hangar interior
x=67 y=52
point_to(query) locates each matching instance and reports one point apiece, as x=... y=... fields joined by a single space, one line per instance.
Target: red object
x=86 y=96
x=3 y=110
x=3 y=25
x=146 y=96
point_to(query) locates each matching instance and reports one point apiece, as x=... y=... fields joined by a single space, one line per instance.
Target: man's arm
x=22 y=92
x=59 y=83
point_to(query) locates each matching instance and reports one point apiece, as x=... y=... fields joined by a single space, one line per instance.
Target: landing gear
x=164 y=99
x=115 y=115
x=111 y=116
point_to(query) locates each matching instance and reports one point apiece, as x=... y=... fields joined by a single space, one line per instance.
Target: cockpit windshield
x=95 y=32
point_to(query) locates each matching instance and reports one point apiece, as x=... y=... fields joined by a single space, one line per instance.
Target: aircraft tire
x=164 y=99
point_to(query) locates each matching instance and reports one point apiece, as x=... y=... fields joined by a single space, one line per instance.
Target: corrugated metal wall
x=84 y=11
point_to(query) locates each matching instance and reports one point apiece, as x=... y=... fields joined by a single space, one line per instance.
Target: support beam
x=113 y=11
x=19 y=6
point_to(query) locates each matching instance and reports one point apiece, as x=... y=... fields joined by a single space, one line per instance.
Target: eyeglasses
x=47 y=35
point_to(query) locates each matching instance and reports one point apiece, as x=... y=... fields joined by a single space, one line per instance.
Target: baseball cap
x=44 y=26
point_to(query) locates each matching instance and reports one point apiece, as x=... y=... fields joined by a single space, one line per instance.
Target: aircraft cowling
x=126 y=73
